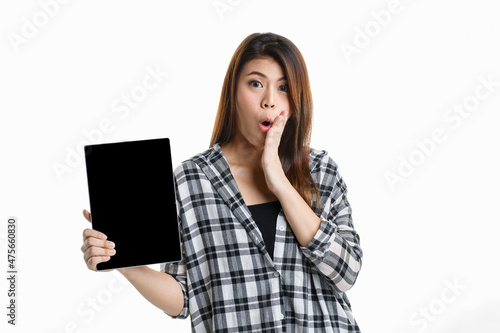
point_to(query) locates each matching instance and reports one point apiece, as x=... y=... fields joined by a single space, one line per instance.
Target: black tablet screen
x=132 y=201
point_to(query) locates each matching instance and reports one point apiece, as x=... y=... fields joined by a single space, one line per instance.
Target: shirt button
x=276 y=274
x=282 y=228
x=282 y=316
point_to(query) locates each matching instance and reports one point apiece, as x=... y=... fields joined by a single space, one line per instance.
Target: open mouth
x=265 y=124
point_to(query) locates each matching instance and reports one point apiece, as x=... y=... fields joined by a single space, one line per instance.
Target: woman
x=267 y=235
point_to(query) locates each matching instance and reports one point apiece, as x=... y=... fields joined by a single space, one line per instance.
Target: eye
x=255 y=84
x=283 y=87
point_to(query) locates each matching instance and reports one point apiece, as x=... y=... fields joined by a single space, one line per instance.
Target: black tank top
x=265 y=215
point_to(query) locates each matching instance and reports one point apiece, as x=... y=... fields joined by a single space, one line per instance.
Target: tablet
x=132 y=201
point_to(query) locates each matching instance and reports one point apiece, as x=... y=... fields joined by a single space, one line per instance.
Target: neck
x=241 y=152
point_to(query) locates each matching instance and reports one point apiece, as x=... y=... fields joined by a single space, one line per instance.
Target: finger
x=93 y=261
x=285 y=114
x=91 y=241
x=279 y=123
x=99 y=243
x=86 y=214
x=93 y=233
x=275 y=132
x=282 y=119
x=94 y=251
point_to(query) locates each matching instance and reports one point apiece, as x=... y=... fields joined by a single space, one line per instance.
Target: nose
x=268 y=100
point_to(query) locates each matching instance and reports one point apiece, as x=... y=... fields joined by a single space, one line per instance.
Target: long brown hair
x=294 y=145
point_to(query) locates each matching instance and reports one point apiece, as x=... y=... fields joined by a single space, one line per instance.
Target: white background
x=430 y=241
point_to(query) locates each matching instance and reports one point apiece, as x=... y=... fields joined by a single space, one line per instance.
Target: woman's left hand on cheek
x=271 y=163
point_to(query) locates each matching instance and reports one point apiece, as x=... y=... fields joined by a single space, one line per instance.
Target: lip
x=267 y=126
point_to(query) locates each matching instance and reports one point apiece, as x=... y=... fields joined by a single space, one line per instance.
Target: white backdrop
x=406 y=97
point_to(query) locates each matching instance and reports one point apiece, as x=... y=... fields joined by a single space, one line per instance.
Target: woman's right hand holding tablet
x=160 y=288
x=96 y=248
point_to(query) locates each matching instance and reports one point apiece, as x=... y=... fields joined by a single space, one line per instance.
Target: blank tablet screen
x=132 y=201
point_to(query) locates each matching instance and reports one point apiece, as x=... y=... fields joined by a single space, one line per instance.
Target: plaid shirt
x=229 y=281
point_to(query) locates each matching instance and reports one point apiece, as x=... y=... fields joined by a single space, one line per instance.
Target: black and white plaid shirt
x=229 y=281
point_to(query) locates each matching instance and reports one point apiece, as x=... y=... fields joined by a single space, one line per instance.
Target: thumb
x=86 y=214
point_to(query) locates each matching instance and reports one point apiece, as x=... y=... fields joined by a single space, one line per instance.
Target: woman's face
x=261 y=95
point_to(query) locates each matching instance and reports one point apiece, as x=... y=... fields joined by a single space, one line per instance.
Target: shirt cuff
x=321 y=241
x=185 y=310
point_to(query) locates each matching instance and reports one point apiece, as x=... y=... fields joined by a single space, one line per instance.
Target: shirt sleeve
x=335 y=249
x=178 y=270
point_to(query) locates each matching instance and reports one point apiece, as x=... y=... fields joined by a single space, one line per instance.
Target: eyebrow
x=264 y=76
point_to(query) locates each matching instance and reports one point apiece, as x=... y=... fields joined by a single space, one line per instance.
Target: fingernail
x=111 y=252
x=111 y=244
